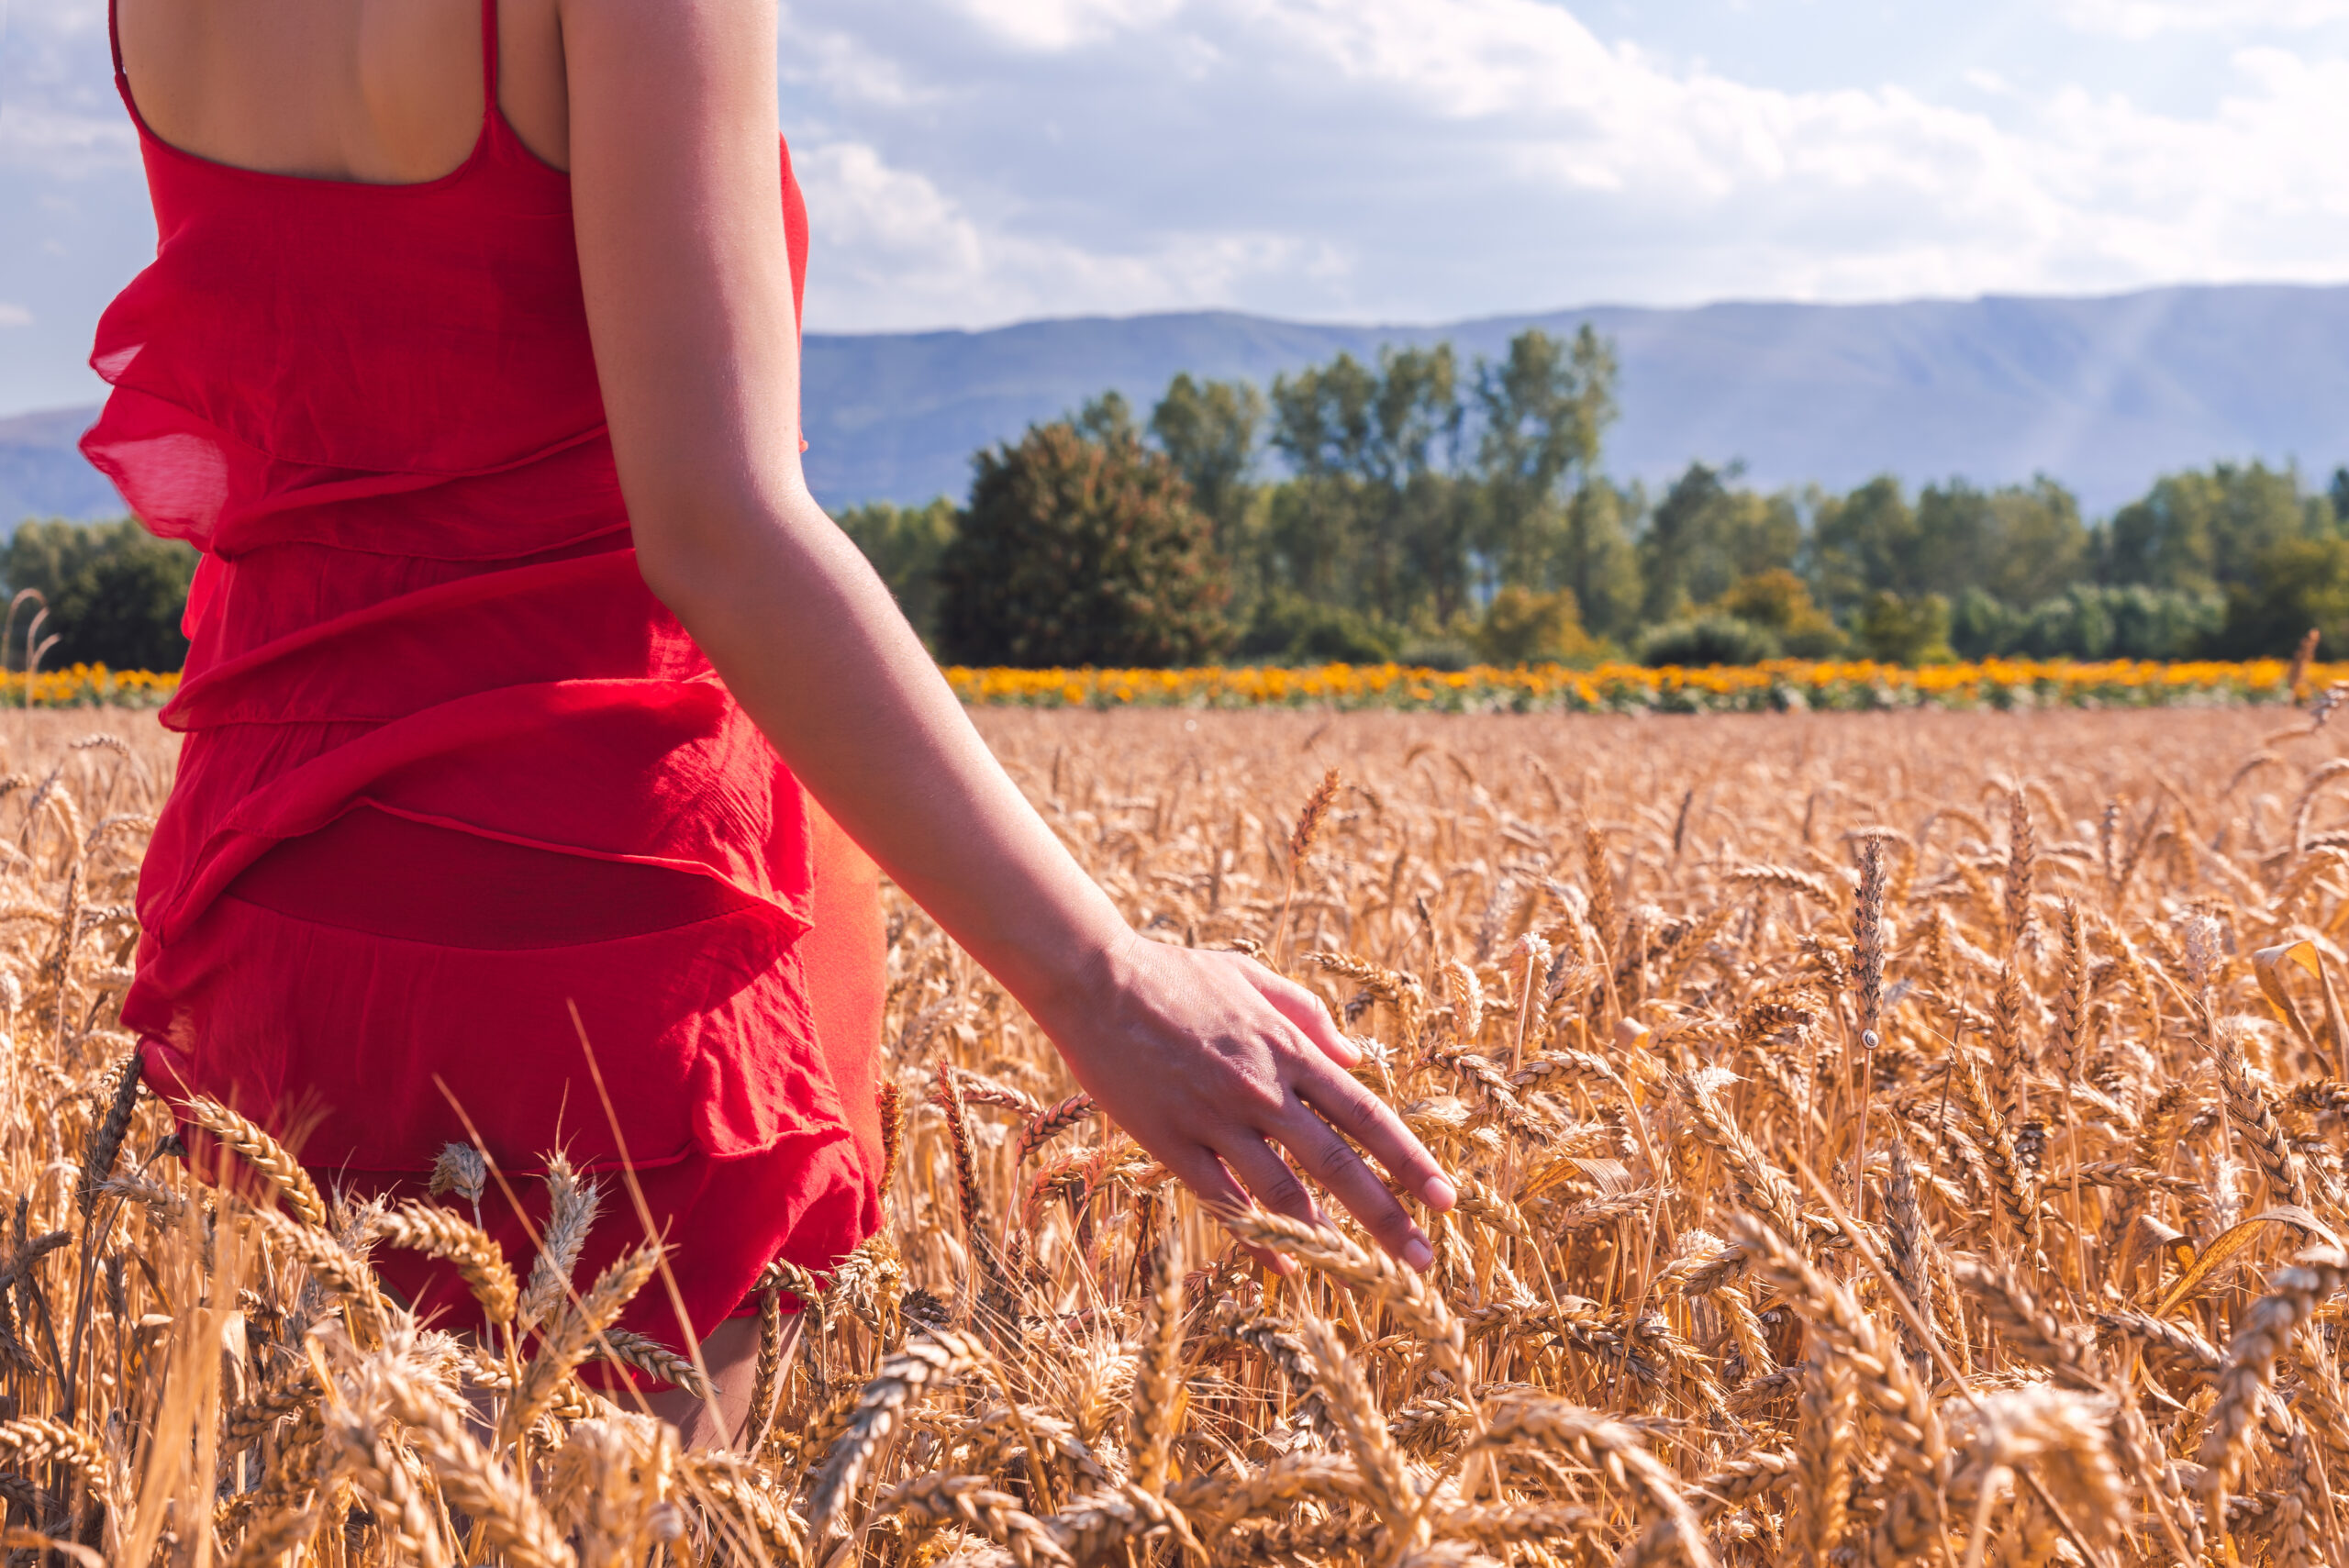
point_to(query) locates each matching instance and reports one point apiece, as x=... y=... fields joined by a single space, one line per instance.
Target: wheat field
x=1882 y=1139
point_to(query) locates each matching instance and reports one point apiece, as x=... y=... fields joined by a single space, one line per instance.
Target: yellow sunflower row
x=89 y=686
x=1782 y=686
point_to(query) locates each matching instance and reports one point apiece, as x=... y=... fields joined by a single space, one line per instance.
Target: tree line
x=107 y=594
x=1420 y=508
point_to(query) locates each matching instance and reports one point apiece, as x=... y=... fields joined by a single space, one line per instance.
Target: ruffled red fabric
x=423 y=661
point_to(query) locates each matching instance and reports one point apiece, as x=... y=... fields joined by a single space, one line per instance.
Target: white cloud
x=1426 y=159
x=974 y=161
x=1054 y=24
x=892 y=241
x=2150 y=18
x=14 y=315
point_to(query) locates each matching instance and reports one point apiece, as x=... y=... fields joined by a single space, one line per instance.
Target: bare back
x=384 y=92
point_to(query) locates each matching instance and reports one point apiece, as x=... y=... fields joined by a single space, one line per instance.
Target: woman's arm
x=676 y=181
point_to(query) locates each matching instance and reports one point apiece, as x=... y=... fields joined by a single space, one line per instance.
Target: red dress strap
x=113 y=41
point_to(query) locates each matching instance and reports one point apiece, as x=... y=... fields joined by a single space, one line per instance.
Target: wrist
x=1064 y=966
x=1076 y=982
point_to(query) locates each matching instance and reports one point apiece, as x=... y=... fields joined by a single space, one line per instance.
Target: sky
x=972 y=162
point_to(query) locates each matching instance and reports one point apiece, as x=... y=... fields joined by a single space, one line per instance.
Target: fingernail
x=1418 y=1257
x=1438 y=1193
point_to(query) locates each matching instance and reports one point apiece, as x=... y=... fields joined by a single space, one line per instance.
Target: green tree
x=1894 y=631
x=2338 y=494
x=115 y=592
x=1704 y=537
x=1080 y=551
x=2296 y=585
x=905 y=545
x=1864 y=543
x=1105 y=417
x=1208 y=430
x=1543 y=411
x=1378 y=507
x=2018 y=543
x=2204 y=531
x=1596 y=562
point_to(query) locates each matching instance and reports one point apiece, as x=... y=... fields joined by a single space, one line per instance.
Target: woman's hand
x=1209 y=1058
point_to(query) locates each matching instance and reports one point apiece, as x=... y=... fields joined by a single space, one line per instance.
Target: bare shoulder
x=727 y=45
x=385 y=92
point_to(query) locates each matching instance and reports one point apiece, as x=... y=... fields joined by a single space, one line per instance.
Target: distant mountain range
x=2103 y=393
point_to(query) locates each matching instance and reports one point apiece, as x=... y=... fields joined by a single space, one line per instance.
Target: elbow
x=686 y=522
x=674 y=574
x=697 y=549
x=675 y=555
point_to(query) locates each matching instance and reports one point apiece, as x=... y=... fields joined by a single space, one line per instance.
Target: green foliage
x=1522 y=627
x=1894 y=630
x=114 y=593
x=1543 y=411
x=1708 y=641
x=1080 y=548
x=1413 y=489
x=1704 y=537
x=905 y=545
x=2087 y=621
x=1289 y=629
x=1107 y=418
x=1862 y=543
x=1594 y=559
x=1208 y=430
x=2206 y=532
x=1450 y=654
x=1380 y=517
x=2017 y=544
x=2296 y=585
x=1779 y=603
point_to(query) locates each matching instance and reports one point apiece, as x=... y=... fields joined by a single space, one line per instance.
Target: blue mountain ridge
x=2103 y=393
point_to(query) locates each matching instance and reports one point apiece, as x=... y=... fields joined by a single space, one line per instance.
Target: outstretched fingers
x=1348 y=1177
x=1206 y=1175
x=1369 y=1122
x=1267 y=1177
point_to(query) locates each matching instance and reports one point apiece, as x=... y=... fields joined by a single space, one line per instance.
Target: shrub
x=1289 y=629
x=1078 y=550
x=1894 y=630
x=1522 y=627
x=1780 y=603
x=1450 y=655
x=1708 y=641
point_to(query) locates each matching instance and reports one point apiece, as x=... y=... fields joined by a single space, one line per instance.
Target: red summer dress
x=450 y=771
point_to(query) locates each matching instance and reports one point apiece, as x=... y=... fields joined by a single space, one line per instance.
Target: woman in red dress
x=533 y=704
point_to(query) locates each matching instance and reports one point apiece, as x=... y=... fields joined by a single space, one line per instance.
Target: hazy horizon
x=971 y=164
